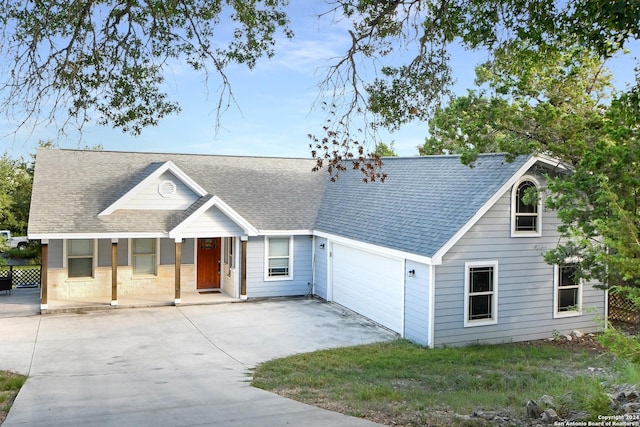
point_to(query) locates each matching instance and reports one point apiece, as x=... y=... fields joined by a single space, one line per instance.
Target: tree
x=529 y=100
x=422 y=32
x=384 y=150
x=106 y=59
x=16 y=177
x=561 y=103
x=16 y=181
x=599 y=204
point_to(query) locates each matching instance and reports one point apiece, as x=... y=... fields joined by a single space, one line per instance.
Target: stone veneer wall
x=62 y=287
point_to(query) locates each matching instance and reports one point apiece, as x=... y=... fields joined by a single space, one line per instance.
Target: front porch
x=119 y=285
x=202 y=297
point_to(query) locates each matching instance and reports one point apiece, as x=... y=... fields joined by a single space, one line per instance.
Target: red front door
x=208 y=263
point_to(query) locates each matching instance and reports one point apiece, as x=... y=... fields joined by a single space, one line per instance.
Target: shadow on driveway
x=171 y=366
x=20 y=302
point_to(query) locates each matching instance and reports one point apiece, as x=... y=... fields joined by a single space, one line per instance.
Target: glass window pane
x=80 y=267
x=144 y=264
x=480 y=307
x=144 y=246
x=232 y=259
x=279 y=267
x=568 y=275
x=481 y=279
x=278 y=262
x=80 y=247
x=568 y=299
x=522 y=206
x=279 y=246
x=526 y=223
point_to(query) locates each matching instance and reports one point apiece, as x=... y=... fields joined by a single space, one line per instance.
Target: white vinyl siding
x=213 y=222
x=150 y=197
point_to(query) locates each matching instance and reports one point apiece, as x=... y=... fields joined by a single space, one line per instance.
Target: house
x=441 y=253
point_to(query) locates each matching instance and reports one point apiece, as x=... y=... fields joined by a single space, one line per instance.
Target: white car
x=20 y=242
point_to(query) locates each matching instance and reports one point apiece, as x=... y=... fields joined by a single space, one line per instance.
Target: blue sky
x=274 y=114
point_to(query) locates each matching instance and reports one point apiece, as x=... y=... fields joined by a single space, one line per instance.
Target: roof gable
x=161 y=186
x=523 y=169
x=421 y=206
x=91 y=193
x=211 y=215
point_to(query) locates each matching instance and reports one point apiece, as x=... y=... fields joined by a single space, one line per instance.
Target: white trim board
x=381 y=250
x=234 y=216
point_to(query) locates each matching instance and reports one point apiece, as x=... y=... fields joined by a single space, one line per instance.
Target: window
x=525 y=220
x=568 y=291
x=481 y=293
x=229 y=259
x=143 y=256
x=80 y=258
x=278 y=257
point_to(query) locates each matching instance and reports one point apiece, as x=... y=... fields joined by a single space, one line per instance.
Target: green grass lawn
x=10 y=385
x=398 y=383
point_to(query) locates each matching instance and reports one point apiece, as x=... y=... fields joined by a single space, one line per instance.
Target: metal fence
x=23 y=276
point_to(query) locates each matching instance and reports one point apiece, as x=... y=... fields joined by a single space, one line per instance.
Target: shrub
x=621 y=345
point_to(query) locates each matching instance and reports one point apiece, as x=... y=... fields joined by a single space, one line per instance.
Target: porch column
x=177 y=274
x=114 y=272
x=243 y=267
x=44 y=272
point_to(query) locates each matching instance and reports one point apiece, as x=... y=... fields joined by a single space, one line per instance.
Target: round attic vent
x=167 y=189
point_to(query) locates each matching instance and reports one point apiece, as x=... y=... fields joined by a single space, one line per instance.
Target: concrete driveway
x=171 y=366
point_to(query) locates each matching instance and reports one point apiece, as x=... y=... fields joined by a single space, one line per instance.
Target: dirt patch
x=586 y=342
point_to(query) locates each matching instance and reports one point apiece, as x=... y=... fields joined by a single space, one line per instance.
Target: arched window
x=525 y=208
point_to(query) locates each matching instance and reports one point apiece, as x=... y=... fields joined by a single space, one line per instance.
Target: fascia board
x=167 y=166
x=297 y=232
x=370 y=247
x=111 y=235
x=552 y=162
x=437 y=257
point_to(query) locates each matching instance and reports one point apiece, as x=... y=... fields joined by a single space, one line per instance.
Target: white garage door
x=369 y=284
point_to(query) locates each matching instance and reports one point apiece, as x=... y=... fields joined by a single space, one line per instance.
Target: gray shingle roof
x=71 y=187
x=421 y=205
